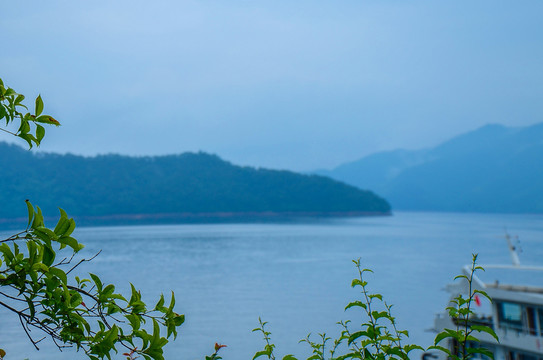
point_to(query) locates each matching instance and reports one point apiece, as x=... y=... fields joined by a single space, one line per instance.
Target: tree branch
x=9 y=132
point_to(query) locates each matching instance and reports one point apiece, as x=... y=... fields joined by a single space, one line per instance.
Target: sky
x=297 y=85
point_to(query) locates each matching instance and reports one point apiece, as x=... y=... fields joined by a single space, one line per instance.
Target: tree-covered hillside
x=190 y=183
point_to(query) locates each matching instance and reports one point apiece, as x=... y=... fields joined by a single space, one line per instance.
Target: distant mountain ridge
x=492 y=169
x=173 y=186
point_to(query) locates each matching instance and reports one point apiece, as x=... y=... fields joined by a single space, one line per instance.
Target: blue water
x=296 y=276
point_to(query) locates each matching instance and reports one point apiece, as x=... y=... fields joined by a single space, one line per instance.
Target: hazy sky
x=283 y=84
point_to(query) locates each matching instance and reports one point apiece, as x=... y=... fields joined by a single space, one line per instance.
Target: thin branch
x=81 y=291
x=11 y=308
x=9 y=132
x=27 y=332
x=11 y=297
x=15 y=236
x=82 y=261
x=99 y=310
x=40 y=340
x=63 y=261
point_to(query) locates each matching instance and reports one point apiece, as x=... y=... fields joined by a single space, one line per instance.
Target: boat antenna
x=512 y=248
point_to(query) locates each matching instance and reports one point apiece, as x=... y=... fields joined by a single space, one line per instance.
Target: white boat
x=515 y=313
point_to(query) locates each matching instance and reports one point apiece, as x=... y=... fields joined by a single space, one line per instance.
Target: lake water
x=296 y=276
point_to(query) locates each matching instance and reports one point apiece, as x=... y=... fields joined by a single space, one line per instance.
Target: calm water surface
x=296 y=276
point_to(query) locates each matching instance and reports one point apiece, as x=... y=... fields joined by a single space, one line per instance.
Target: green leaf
x=71 y=242
x=63 y=213
x=39 y=105
x=472 y=338
x=486 y=329
x=442 y=335
x=160 y=304
x=59 y=273
x=40 y=132
x=262 y=353
x=356 y=335
x=50 y=233
x=118 y=297
x=358 y=282
x=107 y=291
x=71 y=227
x=442 y=349
x=48 y=255
x=289 y=357
x=112 y=335
x=481 y=350
x=38 y=218
x=62 y=226
x=483 y=293
x=8 y=254
x=395 y=351
x=76 y=299
x=19 y=99
x=380 y=314
x=172 y=302
x=24 y=128
x=10 y=92
x=97 y=281
x=409 y=348
x=30 y=212
x=28 y=138
x=46 y=119
x=134 y=320
x=3 y=112
x=356 y=303
x=40 y=267
x=30 y=307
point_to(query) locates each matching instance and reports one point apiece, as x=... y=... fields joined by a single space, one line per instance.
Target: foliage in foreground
x=378 y=338
x=13 y=110
x=85 y=313
x=461 y=312
x=36 y=283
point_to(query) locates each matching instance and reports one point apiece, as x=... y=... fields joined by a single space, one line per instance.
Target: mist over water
x=296 y=275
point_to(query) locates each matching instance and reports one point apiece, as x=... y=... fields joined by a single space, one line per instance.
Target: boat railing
x=478 y=320
x=519 y=330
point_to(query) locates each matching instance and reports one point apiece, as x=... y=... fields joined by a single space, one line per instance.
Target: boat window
x=527 y=357
x=530 y=320
x=509 y=356
x=517 y=355
x=510 y=315
x=540 y=318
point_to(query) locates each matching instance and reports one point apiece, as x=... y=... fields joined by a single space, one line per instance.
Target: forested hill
x=189 y=184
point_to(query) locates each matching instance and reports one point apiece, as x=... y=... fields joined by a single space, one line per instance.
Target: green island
x=189 y=186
